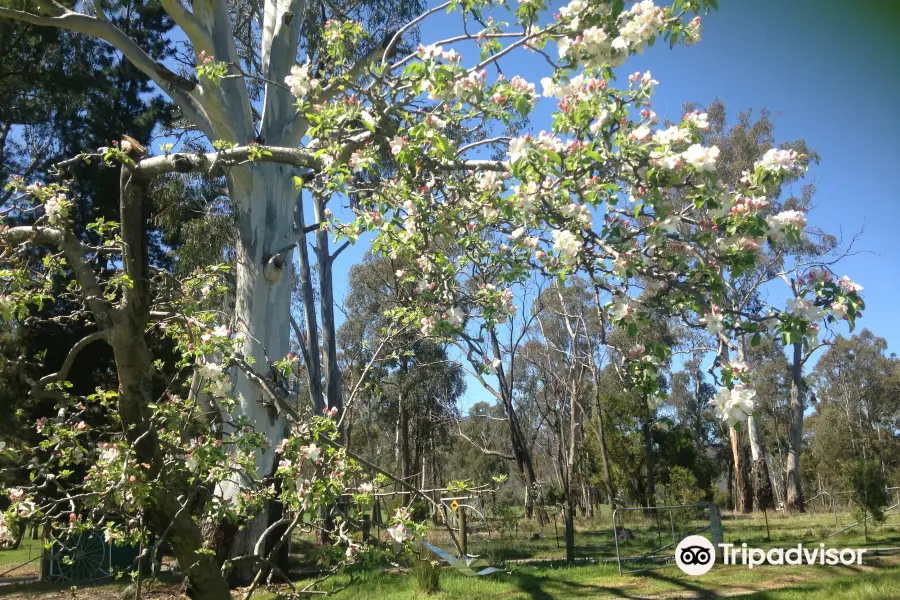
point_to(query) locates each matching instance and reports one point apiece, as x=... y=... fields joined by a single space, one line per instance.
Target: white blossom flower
x=641 y=134
x=489 y=182
x=109 y=454
x=431 y=51
x=26 y=509
x=220 y=387
x=518 y=147
x=793 y=219
x=700 y=157
x=358 y=162
x=57 y=209
x=573 y=9
x=192 y=464
x=566 y=243
x=397 y=145
x=367 y=488
x=776 y=160
x=622 y=309
x=805 y=308
x=734 y=405
x=311 y=452
x=455 y=316
x=648 y=81
x=398 y=532
x=210 y=370
x=839 y=310
x=848 y=285
x=698 y=119
x=671 y=135
x=713 y=321
x=300 y=81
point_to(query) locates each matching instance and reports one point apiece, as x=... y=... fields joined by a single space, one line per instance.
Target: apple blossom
x=210 y=370
x=622 y=309
x=848 y=285
x=839 y=310
x=641 y=134
x=713 y=322
x=397 y=145
x=701 y=158
x=805 y=308
x=567 y=244
x=518 y=147
x=300 y=82
x=57 y=209
x=456 y=316
x=398 y=533
x=698 y=120
x=778 y=160
x=311 y=452
x=734 y=405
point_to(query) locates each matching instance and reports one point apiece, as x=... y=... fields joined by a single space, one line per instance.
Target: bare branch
x=63 y=372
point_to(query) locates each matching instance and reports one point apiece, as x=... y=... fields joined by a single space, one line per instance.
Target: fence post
x=616 y=538
x=463 y=536
x=715 y=528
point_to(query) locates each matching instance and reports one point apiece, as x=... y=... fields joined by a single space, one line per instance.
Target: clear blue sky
x=830 y=72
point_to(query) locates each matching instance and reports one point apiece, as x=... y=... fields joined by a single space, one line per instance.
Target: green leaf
x=755 y=340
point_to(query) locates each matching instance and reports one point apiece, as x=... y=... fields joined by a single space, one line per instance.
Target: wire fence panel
x=646 y=537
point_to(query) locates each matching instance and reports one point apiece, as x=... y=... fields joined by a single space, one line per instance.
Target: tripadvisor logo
x=695 y=555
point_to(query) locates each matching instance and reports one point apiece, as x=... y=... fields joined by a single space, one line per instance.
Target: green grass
x=877 y=578
x=26 y=551
x=868 y=586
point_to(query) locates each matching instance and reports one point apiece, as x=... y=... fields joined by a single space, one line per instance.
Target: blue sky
x=829 y=73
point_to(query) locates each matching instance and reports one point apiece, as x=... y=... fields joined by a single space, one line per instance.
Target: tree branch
x=63 y=372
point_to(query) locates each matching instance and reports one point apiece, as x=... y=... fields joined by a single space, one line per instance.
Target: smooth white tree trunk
x=264 y=198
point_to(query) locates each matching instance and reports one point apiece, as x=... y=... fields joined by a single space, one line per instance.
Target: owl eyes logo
x=695 y=555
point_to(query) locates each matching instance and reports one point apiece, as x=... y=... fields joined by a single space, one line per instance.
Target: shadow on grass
x=686 y=585
x=545 y=587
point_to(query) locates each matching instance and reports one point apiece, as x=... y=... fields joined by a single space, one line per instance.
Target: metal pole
x=834 y=509
x=658 y=528
x=555 y=530
x=616 y=538
x=672 y=524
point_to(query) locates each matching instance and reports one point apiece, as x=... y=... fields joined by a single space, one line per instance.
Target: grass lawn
x=26 y=551
x=876 y=578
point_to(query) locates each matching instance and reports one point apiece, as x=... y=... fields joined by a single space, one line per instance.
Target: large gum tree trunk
x=604 y=453
x=794 y=500
x=743 y=496
x=264 y=198
x=649 y=461
x=759 y=468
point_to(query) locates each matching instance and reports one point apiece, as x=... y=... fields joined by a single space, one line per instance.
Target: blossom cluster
x=735 y=404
